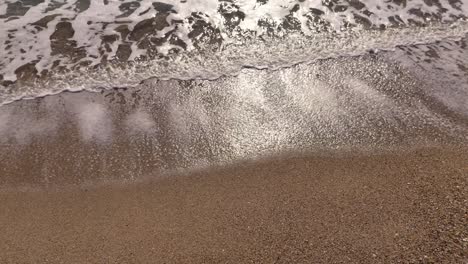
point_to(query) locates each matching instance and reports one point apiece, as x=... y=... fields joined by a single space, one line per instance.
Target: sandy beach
x=402 y=207
x=293 y=166
x=233 y=131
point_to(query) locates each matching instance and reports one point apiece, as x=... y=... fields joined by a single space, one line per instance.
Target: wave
x=54 y=46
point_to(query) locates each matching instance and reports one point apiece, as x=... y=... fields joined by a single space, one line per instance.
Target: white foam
x=29 y=43
x=3 y=8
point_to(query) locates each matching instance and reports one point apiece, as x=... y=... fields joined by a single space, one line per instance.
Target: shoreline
x=279 y=53
x=124 y=135
x=347 y=160
x=154 y=178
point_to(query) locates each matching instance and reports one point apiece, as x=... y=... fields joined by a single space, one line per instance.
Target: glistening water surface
x=183 y=85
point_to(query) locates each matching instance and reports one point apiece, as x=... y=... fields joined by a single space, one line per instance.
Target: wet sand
x=202 y=171
x=408 y=207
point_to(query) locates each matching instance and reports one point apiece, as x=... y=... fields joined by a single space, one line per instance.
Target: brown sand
x=387 y=208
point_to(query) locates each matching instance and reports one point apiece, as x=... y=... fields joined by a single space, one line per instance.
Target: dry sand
x=408 y=207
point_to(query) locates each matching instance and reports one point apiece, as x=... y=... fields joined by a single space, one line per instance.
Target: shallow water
x=375 y=102
x=211 y=84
